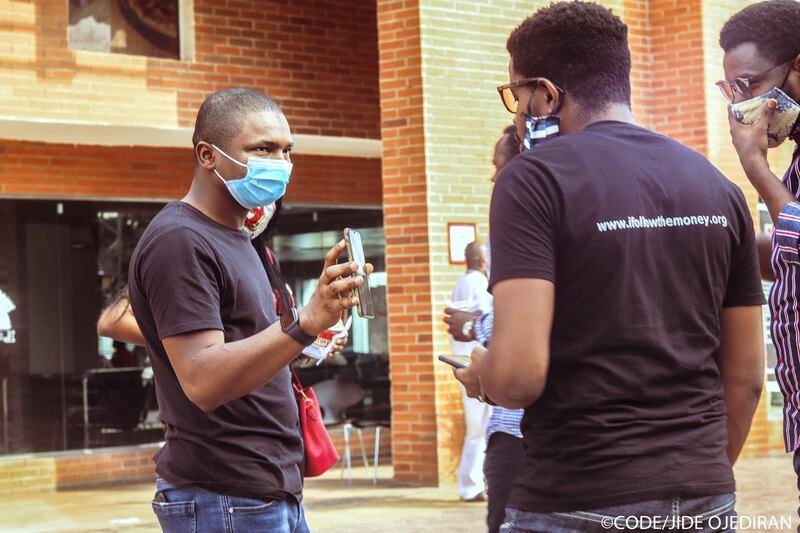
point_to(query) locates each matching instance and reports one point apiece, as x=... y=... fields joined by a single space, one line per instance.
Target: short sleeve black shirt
x=189 y=273
x=646 y=242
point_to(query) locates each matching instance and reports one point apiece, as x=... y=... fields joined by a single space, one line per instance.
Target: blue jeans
x=190 y=509
x=697 y=515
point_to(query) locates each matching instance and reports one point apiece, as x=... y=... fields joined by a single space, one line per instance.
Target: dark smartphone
x=355 y=253
x=452 y=362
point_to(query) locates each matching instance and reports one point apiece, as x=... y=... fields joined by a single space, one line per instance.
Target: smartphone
x=452 y=362
x=355 y=253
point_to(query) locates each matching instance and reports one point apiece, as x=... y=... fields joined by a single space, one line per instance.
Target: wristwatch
x=294 y=331
x=466 y=329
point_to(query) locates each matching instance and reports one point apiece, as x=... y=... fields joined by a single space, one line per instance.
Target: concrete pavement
x=766 y=488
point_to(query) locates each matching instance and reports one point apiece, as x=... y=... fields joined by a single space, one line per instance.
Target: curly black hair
x=773 y=26
x=508 y=141
x=582 y=47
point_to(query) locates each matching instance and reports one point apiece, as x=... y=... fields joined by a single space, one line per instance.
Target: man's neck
x=219 y=206
x=613 y=112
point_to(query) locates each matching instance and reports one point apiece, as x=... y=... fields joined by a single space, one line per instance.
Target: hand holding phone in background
x=456 y=361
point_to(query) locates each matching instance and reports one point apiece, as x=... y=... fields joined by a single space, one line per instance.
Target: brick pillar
x=407 y=244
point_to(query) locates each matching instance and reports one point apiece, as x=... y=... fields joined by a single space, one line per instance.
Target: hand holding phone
x=452 y=362
x=355 y=253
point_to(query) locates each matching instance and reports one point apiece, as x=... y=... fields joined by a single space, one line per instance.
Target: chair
x=377 y=414
x=334 y=397
x=107 y=399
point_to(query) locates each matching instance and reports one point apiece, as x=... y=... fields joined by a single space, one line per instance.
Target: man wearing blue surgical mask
x=233 y=457
x=762 y=87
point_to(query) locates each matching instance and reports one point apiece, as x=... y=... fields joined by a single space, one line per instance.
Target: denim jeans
x=697 y=515
x=190 y=509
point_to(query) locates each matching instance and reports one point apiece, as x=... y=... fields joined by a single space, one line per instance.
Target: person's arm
x=750 y=142
x=117 y=322
x=513 y=372
x=524 y=215
x=764 y=245
x=457 y=319
x=213 y=372
x=741 y=365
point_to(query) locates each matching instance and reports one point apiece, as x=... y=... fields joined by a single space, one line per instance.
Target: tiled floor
x=766 y=488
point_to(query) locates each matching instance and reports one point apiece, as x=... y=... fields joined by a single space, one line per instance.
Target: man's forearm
x=764 y=246
x=741 y=402
x=769 y=187
x=224 y=372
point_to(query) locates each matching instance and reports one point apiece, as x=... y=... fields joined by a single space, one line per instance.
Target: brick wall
x=318 y=58
x=80 y=468
x=24 y=473
x=63 y=171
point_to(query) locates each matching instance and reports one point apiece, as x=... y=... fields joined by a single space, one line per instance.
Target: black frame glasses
x=507 y=95
x=741 y=86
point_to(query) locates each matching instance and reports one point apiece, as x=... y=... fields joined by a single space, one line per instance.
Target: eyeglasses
x=741 y=86
x=507 y=95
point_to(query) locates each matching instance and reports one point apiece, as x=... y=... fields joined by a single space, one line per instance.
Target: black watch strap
x=294 y=331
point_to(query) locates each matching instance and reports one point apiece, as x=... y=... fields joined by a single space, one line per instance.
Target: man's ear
x=205 y=155
x=552 y=95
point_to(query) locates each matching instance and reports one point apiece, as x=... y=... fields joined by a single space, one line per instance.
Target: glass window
x=61 y=387
x=138 y=27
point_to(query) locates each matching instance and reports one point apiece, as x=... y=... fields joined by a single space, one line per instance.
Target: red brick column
x=414 y=436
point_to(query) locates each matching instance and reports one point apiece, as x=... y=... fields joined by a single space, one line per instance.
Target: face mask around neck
x=258 y=219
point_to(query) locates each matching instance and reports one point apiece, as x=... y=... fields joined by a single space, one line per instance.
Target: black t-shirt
x=646 y=242
x=189 y=273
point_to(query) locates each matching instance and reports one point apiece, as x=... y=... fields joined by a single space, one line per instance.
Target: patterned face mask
x=539 y=129
x=783 y=124
x=258 y=219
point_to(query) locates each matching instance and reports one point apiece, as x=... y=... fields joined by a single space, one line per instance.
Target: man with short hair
x=233 y=457
x=471 y=290
x=627 y=299
x=762 y=78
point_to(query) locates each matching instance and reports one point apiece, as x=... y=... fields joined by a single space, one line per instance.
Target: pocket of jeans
x=250 y=514
x=175 y=517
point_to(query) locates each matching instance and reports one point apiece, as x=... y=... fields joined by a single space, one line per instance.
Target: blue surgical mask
x=539 y=129
x=264 y=183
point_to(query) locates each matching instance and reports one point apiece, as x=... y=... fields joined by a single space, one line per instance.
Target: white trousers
x=470 y=470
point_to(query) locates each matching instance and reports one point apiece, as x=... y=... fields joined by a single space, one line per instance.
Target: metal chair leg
x=377 y=449
x=347 y=453
x=363 y=450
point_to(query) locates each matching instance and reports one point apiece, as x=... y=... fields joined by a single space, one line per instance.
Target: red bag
x=320 y=453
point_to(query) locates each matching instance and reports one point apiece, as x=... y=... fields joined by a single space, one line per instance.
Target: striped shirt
x=502 y=420
x=783 y=302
